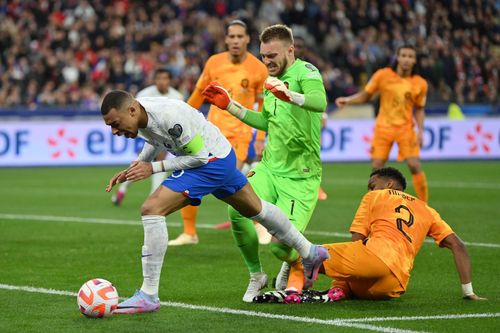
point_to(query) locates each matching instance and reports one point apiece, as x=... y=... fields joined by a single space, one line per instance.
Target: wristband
x=467 y=289
x=236 y=109
x=297 y=98
x=158 y=166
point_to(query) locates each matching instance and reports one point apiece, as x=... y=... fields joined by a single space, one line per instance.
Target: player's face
x=379 y=183
x=275 y=55
x=123 y=122
x=237 y=40
x=407 y=58
x=162 y=82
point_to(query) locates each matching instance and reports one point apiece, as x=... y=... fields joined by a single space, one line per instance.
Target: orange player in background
x=388 y=230
x=401 y=91
x=243 y=75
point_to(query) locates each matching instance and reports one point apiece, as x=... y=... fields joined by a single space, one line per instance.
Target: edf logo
x=13 y=142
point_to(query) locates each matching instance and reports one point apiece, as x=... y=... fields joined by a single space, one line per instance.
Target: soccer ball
x=97 y=298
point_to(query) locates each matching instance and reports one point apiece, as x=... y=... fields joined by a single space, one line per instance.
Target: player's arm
x=462 y=263
x=147 y=154
x=313 y=99
x=196 y=99
x=358 y=98
x=419 y=111
x=196 y=155
x=360 y=227
x=215 y=94
x=419 y=119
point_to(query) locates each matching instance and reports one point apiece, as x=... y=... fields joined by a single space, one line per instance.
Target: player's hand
x=420 y=138
x=341 y=101
x=259 y=146
x=215 y=94
x=474 y=297
x=278 y=88
x=119 y=177
x=139 y=170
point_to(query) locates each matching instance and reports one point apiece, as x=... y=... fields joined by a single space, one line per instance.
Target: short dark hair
x=394 y=66
x=237 y=22
x=277 y=31
x=391 y=173
x=114 y=100
x=162 y=71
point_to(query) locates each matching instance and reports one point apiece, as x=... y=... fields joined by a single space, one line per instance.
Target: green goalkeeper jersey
x=293 y=147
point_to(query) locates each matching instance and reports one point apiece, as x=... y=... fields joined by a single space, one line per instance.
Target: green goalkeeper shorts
x=296 y=197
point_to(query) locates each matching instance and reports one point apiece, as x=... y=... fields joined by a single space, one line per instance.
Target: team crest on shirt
x=311 y=67
x=244 y=83
x=250 y=174
x=175 y=131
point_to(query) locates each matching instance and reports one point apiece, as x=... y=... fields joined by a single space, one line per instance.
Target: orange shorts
x=384 y=138
x=360 y=273
x=240 y=145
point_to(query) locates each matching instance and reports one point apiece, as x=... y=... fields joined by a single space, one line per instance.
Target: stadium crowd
x=60 y=53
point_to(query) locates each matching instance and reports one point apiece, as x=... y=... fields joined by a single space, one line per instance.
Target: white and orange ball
x=97 y=298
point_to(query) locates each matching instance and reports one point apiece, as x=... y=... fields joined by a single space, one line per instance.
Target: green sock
x=246 y=238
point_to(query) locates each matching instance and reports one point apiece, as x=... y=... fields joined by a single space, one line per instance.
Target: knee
x=148 y=208
x=414 y=166
x=283 y=252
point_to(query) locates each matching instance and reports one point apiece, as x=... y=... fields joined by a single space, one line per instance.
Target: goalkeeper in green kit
x=289 y=174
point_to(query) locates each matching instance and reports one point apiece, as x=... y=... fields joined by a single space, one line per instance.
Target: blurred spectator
x=68 y=52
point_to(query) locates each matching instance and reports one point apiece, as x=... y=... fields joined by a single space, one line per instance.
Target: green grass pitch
x=58 y=229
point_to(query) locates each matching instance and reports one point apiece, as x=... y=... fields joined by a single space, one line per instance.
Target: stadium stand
x=68 y=53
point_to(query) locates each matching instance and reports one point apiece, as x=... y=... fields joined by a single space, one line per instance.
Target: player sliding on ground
x=205 y=163
x=388 y=230
x=289 y=174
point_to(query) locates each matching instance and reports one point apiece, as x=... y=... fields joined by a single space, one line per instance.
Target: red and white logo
x=62 y=144
x=479 y=140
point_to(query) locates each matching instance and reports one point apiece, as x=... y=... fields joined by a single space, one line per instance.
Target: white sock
x=124 y=186
x=280 y=227
x=153 y=252
x=156 y=180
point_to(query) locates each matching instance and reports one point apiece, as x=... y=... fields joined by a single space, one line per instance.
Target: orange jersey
x=244 y=82
x=398 y=96
x=396 y=225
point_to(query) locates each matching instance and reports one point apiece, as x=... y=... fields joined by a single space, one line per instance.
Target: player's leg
x=240 y=146
x=382 y=142
x=246 y=236
x=297 y=199
x=409 y=150
x=361 y=271
x=160 y=203
x=189 y=235
x=277 y=223
x=120 y=193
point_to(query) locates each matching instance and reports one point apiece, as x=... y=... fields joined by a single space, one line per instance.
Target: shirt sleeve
x=196 y=99
x=439 y=229
x=361 y=222
x=374 y=84
x=313 y=89
x=148 y=152
x=422 y=97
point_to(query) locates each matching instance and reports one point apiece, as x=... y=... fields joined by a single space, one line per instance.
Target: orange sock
x=188 y=214
x=420 y=184
x=296 y=277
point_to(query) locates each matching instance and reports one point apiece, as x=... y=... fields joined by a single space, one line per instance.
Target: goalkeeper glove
x=215 y=94
x=280 y=90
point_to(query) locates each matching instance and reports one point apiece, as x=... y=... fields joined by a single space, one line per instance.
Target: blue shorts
x=219 y=177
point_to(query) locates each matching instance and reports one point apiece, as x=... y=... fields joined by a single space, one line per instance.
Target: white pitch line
x=24 y=217
x=334 y=322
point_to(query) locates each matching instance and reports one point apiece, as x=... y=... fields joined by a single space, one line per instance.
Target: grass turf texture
x=62 y=255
